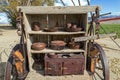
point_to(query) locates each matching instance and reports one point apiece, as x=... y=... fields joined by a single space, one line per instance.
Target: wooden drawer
x=73 y=66
x=63 y=66
x=53 y=67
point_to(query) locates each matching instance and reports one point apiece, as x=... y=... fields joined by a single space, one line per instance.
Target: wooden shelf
x=56 y=33
x=57 y=51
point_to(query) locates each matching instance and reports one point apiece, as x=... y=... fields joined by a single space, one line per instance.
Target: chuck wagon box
x=55 y=41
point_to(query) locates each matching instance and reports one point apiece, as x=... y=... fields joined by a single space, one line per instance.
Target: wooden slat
x=78 y=39
x=56 y=9
x=57 y=51
x=37 y=76
x=55 y=33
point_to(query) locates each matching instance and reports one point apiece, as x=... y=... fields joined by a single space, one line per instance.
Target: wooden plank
x=78 y=39
x=41 y=18
x=57 y=51
x=39 y=76
x=30 y=59
x=56 y=19
x=57 y=9
x=86 y=42
x=55 y=33
x=26 y=23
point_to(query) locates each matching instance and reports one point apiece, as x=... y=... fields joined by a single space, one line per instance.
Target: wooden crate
x=49 y=17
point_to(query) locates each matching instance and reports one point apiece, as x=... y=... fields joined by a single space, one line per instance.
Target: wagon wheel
x=11 y=72
x=101 y=71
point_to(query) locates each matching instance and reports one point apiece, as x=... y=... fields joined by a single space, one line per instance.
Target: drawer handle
x=64 y=68
x=49 y=68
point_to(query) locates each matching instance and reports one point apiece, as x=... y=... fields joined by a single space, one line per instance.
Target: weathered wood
x=55 y=20
x=77 y=18
x=48 y=17
x=41 y=18
x=78 y=39
x=56 y=9
x=30 y=59
x=26 y=23
x=55 y=33
x=57 y=51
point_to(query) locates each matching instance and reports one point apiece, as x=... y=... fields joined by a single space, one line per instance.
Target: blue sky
x=3 y=18
x=107 y=6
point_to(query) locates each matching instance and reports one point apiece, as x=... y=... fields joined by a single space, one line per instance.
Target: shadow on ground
x=2 y=70
x=6 y=28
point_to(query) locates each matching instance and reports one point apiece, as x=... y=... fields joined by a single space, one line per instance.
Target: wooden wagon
x=93 y=64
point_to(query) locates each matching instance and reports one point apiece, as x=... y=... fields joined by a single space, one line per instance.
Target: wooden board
x=57 y=51
x=55 y=33
x=56 y=9
x=37 y=76
x=85 y=38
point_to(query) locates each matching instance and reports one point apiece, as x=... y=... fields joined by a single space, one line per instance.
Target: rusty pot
x=58 y=45
x=52 y=55
x=38 y=46
x=35 y=26
x=73 y=29
x=73 y=45
x=50 y=29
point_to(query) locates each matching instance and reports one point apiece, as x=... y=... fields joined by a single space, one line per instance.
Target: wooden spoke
x=101 y=66
x=99 y=75
x=94 y=77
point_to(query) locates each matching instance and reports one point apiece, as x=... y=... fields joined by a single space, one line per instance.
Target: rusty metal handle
x=49 y=68
x=64 y=68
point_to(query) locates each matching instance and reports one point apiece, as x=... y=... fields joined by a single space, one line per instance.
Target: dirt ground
x=9 y=38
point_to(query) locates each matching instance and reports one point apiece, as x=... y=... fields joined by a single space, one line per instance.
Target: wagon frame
x=60 y=14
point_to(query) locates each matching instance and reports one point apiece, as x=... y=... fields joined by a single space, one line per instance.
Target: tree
x=11 y=11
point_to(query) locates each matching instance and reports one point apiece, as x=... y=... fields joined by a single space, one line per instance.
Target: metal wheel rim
x=14 y=73
x=104 y=64
x=10 y=73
